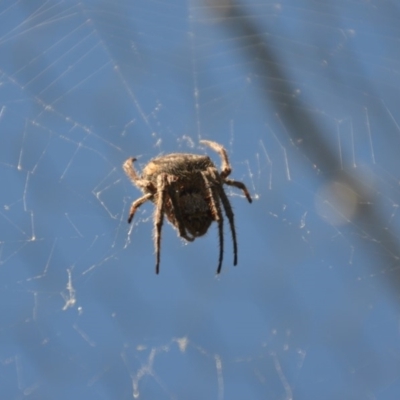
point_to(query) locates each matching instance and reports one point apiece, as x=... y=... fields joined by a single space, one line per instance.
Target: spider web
x=304 y=95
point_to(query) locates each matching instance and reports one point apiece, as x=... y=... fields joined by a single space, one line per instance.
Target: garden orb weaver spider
x=188 y=190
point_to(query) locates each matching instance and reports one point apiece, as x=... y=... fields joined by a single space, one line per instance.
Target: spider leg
x=231 y=219
x=136 y=204
x=159 y=216
x=216 y=211
x=129 y=170
x=226 y=168
x=230 y=215
x=132 y=174
x=241 y=186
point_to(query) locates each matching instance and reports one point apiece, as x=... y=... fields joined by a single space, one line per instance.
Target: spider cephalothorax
x=188 y=189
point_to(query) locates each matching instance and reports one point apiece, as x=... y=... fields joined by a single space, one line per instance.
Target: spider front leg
x=132 y=174
x=129 y=170
x=136 y=204
x=226 y=168
x=241 y=186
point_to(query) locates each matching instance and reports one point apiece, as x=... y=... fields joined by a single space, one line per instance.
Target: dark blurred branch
x=303 y=129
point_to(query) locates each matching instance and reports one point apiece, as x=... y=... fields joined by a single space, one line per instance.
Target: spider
x=188 y=189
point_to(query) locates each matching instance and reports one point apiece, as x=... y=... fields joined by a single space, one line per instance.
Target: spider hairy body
x=188 y=190
x=187 y=183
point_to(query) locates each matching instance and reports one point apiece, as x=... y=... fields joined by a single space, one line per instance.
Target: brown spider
x=188 y=189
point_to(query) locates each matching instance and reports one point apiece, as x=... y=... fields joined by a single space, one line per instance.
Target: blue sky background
x=304 y=95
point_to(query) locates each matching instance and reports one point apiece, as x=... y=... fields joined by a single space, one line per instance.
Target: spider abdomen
x=196 y=213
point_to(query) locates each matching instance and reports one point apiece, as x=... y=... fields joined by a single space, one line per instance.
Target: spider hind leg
x=217 y=213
